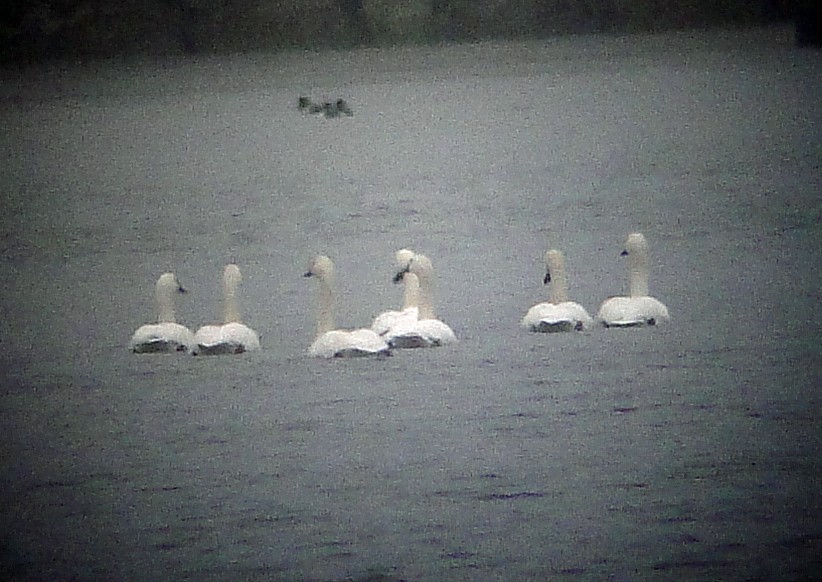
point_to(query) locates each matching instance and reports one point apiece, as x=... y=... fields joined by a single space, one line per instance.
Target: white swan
x=335 y=343
x=557 y=314
x=427 y=331
x=166 y=335
x=388 y=320
x=233 y=337
x=639 y=308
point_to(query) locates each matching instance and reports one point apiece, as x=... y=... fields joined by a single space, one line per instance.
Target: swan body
x=632 y=312
x=557 y=314
x=423 y=333
x=387 y=321
x=348 y=344
x=427 y=330
x=336 y=343
x=638 y=309
x=233 y=337
x=548 y=317
x=166 y=335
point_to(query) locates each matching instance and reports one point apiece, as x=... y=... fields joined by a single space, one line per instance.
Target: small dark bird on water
x=343 y=108
x=328 y=109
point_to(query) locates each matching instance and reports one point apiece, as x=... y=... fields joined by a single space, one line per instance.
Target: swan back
x=241 y=337
x=551 y=317
x=339 y=343
x=157 y=338
x=632 y=312
x=386 y=321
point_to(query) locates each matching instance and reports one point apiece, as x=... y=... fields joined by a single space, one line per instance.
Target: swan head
x=321 y=267
x=635 y=244
x=403 y=257
x=168 y=283
x=419 y=265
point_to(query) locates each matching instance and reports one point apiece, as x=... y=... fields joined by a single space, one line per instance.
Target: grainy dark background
x=44 y=29
x=683 y=452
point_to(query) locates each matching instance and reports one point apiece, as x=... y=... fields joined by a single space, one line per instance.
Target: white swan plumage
x=233 y=336
x=166 y=335
x=336 y=343
x=638 y=308
x=389 y=320
x=427 y=331
x=558 y=313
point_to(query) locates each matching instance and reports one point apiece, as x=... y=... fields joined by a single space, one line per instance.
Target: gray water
x=686 y=451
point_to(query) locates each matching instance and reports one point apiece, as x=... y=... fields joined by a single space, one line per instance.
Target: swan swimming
x=639 y=308
x=427 y=331
x=335 y=343
x=166 y=335
x=556 y=314
x=389 y=320
x=233 y=337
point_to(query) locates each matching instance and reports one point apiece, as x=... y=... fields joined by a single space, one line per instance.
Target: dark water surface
x=687 y=451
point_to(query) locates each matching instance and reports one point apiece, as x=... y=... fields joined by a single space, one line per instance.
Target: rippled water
x=679 y=452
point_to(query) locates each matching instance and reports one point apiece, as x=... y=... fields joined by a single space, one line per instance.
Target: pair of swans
x=232 y=337
x=416 y=326
x=413 y=326
x=638 y=309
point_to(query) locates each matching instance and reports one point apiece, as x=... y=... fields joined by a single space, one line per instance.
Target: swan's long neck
x=426 y=298
x=231 y=305
x=559 y=283
x=411 y=297
x=325 y=312
x=165 y=303
x=638 y=266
